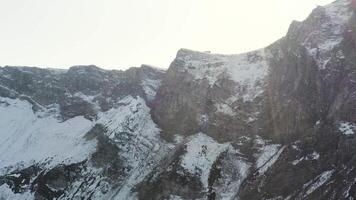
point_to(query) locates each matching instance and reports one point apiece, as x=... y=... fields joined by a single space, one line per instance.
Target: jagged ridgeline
x=276 y=123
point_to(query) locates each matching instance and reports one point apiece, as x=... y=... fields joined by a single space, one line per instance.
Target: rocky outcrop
x=81 y=90
x=215 y=94
x=311 y=91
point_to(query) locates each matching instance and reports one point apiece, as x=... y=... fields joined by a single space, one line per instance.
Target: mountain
x=275 y=123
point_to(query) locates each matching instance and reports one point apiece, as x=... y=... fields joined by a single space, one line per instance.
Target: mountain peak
x=323 y=30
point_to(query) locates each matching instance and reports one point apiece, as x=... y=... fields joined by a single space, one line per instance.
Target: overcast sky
x=117 y=34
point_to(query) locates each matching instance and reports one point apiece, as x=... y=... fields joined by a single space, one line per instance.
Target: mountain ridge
x=208 y=127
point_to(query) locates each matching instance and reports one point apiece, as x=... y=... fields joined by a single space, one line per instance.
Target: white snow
x=27 y=138
x=203 y=119
x=131 y=127
x=269 y=154
x=150 y=86
x=317 y=123
x=313 y=156
x=57 y=71
x=138 y=173
x=231 y=187
x=178 y=139
x=271 y=160
x=201 y=152
x=248 y=69
x=95 y=189
x=88 y=98
x=225 y=109
x=314 y=184
x=347 y=128
x=347 y=191
x=16 y=175
x=175 y=197
x=7 y=194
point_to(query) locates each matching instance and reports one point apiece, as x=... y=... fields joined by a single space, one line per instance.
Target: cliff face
x=311 y=98
x=314 y=71
x=215 y=94
x=276 y=123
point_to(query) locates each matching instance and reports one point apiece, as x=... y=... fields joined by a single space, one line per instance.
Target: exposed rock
x=276 y=123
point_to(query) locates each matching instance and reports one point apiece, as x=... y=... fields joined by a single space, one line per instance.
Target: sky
x=118 y=34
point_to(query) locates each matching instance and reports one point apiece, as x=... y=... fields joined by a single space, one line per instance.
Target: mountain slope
x=275 y=123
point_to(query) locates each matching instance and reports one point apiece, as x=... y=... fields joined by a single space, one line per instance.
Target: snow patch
x=150 y=86
x=224 y=109
x=131 y=127
x=27 y=138
x=7 y=193
x=248 y=70
x=175 y=197
x=87 y=98
x=313 y=156
x=232 y=184
x=314 y=184
x=201 y=152
x=94 y=189
x=57 y=71
x=347 y=128
x=269 y=154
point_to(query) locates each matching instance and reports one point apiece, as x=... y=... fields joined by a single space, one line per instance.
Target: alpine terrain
x=278 y=123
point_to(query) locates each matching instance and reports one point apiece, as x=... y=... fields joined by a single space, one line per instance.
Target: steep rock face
x=311 y=94
x=202 y=92
x=313 y=71
x=306 y=102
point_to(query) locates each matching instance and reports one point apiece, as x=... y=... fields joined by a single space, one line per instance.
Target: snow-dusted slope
x=249 y=70
x=268 y=155
x=130 y=126
x=38 y=138
x=202 y=152
x=151 y=86
x=276 y=123
x=27 y=137
x=325 y=30
x=7 y=193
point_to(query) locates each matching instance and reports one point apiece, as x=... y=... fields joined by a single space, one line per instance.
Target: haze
x=117 y=34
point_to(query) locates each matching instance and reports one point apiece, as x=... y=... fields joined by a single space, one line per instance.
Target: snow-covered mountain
x=275 y=123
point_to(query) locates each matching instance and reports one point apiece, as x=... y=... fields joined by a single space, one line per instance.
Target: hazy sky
x=117 y=34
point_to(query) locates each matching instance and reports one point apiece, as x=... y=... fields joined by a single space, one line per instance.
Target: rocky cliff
x=275 y=123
